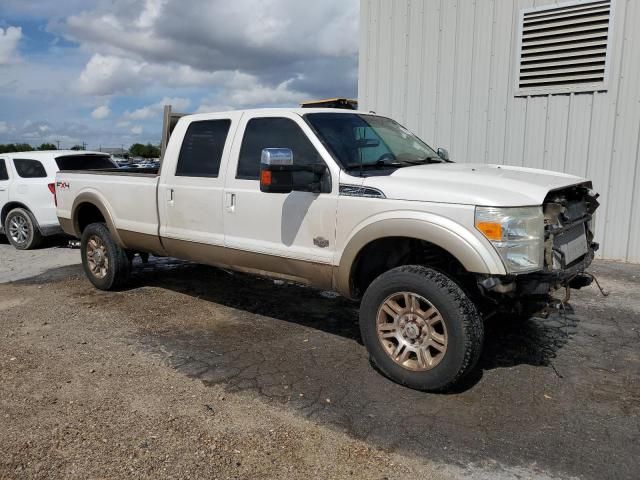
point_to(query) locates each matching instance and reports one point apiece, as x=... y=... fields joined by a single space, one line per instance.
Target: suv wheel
x=420 y=328
x=104 y=262
x=22 y=230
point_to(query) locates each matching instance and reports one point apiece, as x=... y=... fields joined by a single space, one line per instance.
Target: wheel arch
x=452 y=238
x=13 y=205
x=85 y=210
x=10 y=206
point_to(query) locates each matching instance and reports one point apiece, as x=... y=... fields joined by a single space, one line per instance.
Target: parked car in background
x=27 y=191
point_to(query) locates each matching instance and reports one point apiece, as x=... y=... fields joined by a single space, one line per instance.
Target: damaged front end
x=569 y=249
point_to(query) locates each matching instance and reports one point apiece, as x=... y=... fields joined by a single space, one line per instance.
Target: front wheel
x=420 y=328
x=104 y=262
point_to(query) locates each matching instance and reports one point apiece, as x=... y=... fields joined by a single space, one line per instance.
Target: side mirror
x=277 y=173
x=443 y=153
x=275 y=170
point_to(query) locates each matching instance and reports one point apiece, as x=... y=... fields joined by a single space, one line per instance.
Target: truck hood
x=472 y=184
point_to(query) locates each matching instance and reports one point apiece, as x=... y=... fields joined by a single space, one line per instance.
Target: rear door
x=190 y=195
x=296 y=225
x=30 y=187
x=4 y=183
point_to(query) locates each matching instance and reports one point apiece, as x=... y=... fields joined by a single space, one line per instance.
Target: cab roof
x=278 y=111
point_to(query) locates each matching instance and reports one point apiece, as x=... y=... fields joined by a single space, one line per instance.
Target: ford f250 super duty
x=352 y=202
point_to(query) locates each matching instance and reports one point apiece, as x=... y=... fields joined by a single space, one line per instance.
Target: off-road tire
x=465 y=328
x=119 y=266
x=34 y=237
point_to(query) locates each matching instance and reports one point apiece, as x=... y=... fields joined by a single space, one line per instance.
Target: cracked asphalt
x=552 y=398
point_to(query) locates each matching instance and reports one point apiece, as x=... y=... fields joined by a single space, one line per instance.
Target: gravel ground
x=15 y=265
x=194 y=372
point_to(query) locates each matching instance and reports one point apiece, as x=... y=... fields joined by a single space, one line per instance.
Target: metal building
x=539 y=83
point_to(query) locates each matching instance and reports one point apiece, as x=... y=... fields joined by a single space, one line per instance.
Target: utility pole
x=58 y=142
x=84 y=145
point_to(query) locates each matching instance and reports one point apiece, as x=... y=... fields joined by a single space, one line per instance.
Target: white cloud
x=152 y=10
x=154 y=110
x=210 y=106
x=111 y=74
x=104 y=75
x=259 y=94
x=9 y=39
x=101 y=112
x=123 y=124
x=137 y=130
x=4 y=128
x=137 y=43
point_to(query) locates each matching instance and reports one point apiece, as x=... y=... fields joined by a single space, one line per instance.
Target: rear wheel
x=104 y=262
x=22 y=230
x=420 y=328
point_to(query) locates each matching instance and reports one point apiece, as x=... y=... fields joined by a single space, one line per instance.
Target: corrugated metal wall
x=446 y=69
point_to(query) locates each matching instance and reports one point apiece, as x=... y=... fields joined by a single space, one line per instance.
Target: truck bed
x=129 y=195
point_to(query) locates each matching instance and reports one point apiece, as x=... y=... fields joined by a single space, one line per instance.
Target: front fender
x=474 y=252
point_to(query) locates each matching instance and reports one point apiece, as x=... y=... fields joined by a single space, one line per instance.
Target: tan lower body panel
x=67 y=226
x=317 y=274
x=141 y=242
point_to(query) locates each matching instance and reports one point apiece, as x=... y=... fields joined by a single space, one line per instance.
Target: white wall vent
x=564 y=48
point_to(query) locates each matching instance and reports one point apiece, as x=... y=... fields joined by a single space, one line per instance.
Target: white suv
x=27 y=191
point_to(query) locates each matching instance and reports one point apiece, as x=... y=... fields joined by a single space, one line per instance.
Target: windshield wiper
x=368 y=166
x=422 y=161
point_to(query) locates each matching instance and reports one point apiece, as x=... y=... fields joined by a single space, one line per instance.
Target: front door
x=190 y=199
x=286 y=233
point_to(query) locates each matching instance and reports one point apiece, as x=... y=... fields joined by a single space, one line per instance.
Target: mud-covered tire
x=111 y=274
x=464 y=327
x=22 y=230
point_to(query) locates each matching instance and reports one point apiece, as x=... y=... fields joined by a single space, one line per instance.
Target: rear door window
x=4 y=174
x=202 y=147
x=85 y=162
x=29 y=168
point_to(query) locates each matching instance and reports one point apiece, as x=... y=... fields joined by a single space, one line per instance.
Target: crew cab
x=351 y=202
x=27 y=208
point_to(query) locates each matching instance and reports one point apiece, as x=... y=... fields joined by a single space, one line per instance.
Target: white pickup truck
x=352 y=202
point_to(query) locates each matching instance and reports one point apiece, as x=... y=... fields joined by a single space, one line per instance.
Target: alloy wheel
x=19 y=229
x=412 y=331
x=97 y=258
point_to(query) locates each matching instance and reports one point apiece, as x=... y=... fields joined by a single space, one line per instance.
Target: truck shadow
x=508 y=342
x=300 y=349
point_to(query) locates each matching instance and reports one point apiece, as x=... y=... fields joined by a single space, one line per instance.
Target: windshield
x=368 y=142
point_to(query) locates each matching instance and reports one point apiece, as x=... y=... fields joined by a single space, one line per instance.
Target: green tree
x=144 y=151
x=15 y=147
x=47 y=146
x=77 y=147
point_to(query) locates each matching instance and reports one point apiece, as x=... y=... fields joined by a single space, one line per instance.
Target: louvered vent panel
x=564 y=46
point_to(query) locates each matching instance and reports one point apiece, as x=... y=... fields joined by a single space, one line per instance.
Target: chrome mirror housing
x=277 y=157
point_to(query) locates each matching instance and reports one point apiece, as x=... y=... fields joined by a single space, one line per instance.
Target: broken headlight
x=517 y=233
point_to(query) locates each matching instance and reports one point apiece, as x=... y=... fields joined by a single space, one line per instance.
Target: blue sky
x=99 y=71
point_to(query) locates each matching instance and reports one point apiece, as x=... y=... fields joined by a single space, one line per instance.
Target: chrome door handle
x=231 y=202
